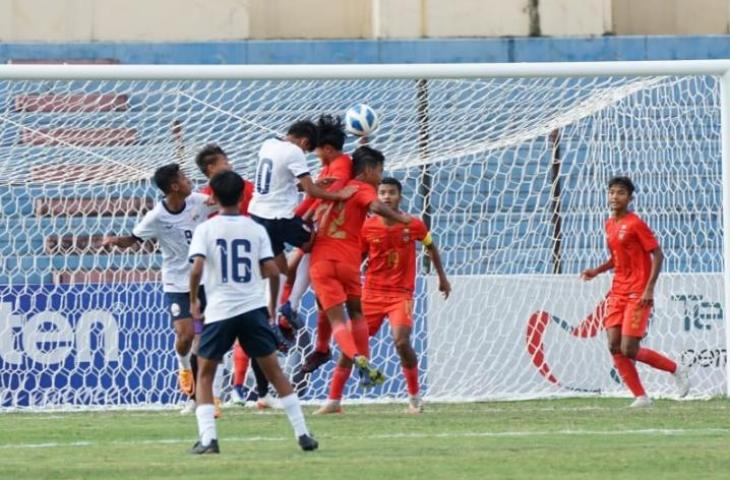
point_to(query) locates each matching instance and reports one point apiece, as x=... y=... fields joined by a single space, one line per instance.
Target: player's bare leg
x=297 y=282
x=409 y=362
x=626 y=368
x=275 y=284
x=289 y=400
x=190 y=404
x=184 y=335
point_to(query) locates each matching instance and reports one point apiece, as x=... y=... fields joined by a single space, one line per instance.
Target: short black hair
x=623 y=182
x=392 y=181
x=331 y=132
x=207 y=156
x=227 y=187
x=304 y=129
x=366 y=157
x=165 y=176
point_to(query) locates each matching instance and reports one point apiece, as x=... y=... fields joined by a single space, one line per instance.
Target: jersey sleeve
x=421 y=233
x=646 y=236
x=298 y=164
x=365 y=196
x=147 y=228
x=198 y=244
x=265 y=252
x=341 y=170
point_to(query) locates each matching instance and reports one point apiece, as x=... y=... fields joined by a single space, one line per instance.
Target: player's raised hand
x=444 y=287
x=588 y=274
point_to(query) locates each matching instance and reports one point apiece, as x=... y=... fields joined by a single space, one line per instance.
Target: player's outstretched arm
x=591 y=273
x=196 y=275
x=433 y=253
x=313 y=190
x=385 y=211
x=120 y=242
x=657 y=259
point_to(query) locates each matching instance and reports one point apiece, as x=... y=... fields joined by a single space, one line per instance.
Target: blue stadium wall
x=384 y=51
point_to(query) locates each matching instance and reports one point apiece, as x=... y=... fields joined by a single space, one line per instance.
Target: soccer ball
x=361 y=120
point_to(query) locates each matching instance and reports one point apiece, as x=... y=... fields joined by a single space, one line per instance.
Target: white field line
x=390 y=436
x=358 y=410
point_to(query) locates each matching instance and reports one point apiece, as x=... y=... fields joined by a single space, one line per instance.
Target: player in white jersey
x=281 y=170
x=235 y=253
x=172 y=223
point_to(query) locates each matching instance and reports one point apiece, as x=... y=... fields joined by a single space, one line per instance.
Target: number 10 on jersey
x=235 y=260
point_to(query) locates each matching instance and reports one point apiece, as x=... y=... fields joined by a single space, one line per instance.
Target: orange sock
x=359 y=329
x=344 y=339
x=656 y=360
x=411 y=375
x=324 y=333
x=339 y=379
x=630 y=376
x=240 y=364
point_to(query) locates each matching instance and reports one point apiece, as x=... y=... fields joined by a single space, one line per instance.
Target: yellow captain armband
x=427 y=240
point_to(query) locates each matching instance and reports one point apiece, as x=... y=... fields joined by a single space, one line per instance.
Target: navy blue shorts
x=251 y=329
x=177 y=304
x=284 y=230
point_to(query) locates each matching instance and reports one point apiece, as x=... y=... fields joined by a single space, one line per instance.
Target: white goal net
x=510 y=172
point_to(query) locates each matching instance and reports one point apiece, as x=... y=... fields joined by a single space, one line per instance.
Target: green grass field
x=576 y=438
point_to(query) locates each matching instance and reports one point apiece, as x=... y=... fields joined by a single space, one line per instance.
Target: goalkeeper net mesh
x=511 y=174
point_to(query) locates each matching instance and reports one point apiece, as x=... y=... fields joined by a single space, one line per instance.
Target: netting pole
x=725 y=125
x=424 y=187
x=555 y=193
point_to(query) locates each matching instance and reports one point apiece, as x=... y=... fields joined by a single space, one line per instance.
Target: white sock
x=290 y=403
x=183 y=361
x=301 y=283
x=206 y=423
x=218 y=381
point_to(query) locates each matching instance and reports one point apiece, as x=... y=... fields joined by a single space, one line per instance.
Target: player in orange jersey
x=336 y=257
x=389 y=285
x=336 y=171
x=636 y=259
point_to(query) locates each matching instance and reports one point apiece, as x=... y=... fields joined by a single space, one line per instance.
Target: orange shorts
x=334 y=282
x=398 y=309
x=626 y=313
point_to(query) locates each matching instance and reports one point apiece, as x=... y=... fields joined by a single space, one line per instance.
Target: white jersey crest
x=174 y=231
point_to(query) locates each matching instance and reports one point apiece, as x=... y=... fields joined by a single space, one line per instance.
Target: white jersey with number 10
x=281 y=163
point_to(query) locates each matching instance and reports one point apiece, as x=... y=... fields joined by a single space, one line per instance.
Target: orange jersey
x=391 y=251
x=630 y=241
x=340 y=224
x=247 y=195
x=341 y=169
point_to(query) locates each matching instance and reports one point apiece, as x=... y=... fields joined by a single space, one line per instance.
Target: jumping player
x=390 y=279
x=636 y=259
x=235 y=252
x=336 y=257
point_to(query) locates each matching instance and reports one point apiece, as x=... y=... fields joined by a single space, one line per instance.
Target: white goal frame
x=719 y=68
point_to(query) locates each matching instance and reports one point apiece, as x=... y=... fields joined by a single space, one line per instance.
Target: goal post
x=508 y=162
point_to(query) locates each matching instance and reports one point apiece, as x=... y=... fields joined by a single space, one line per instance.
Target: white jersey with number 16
x=233 y=247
